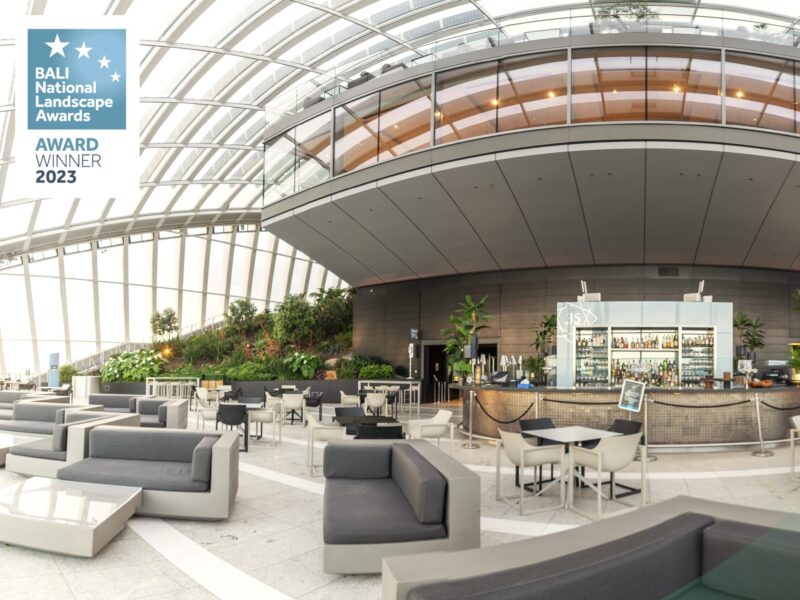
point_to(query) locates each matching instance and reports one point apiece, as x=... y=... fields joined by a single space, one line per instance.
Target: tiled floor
x=275 y=532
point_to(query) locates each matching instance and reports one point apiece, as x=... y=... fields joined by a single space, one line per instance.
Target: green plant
x=207 y=346
x=349 y=368
x=741 y=323
x=302 y=365
x=293 y=321
x=241 y=316
x=185 y=370
x=376 y=371
x=794 y=358
x=462 y=368
x=249 y=371
x=164 y=323
x=617 y=10
x=131 y=366
x=542 y=340
x=754 y=336
x=66 y=373
x=466 y=321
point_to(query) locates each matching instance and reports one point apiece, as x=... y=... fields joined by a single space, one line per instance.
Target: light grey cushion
x=59 y=440
x=61 y=414
x=9 y=396
x=150 y=421
x=118 y=410
x=371 y=511
x=28 y=426
x=752 y=561
x=6 y=415
x=353 y=461
x=422 y=485
x=114 y=402
x=648 y=565
x=146 y=474
x=39 y=449
x=60 y=430
x=149 y=406
x=6 y=406
x=36 y=411
x=142 y=444
x=162 y=414
x=201 y=459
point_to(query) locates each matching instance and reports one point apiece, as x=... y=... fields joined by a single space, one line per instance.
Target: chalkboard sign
x=632 y=395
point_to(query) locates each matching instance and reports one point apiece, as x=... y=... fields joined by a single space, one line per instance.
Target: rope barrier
x=501 y=422
x=694 y=406
x=580 y=403
x=768 y=405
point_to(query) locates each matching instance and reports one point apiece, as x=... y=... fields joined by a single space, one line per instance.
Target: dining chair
x=234 y=415
x=375 y=402
x=350 y=411
x=531 y=425
x=319 y=432
x=204 y=410
x=262 y=416
x=293 y=404
x=611 y=454
x=523 y=455
x=436 y=427
x=349 y=399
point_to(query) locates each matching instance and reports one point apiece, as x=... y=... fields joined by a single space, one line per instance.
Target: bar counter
x=676 y=416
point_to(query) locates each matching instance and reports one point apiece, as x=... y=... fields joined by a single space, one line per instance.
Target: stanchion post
x=647 y=456
x=762 y=453
x=469 y=444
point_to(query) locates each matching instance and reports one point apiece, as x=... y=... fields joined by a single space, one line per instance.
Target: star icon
x=104 y=62
x=57 y=46
x=83 y=50
x=115 y=76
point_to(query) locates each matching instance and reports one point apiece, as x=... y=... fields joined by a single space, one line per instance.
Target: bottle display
x=660 y=357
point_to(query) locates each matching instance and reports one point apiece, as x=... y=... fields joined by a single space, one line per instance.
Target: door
x=434 y=370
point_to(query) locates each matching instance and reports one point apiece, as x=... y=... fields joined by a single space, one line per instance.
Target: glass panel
x=759 y=91
x=683 y=85
x=168 y=263
x=80 y=312
x=194 y=263
x=608 y=84
x=241 y=269
x=466 y=103
x=532 y=92
x=140 y=306
x=112 y=326
x=356 y=134
x=261 y=274
x=405 y=124
x=278 y=169
x=192 y=307
x=217 y=269
x=140 y=263
x=313 y=161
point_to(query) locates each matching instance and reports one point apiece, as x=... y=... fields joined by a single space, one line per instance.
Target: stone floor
x=272 y=545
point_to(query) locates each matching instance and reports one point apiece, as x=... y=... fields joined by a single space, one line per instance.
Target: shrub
x=185 y=370
x=349 y=368
x=209 y=346
x=131 y=366
x=383 y=371
x=249 y=371
x=293 y=322
x=164 y=323
x=66 y=373
x=302 y=365
x=240 y=316
x=333 y=312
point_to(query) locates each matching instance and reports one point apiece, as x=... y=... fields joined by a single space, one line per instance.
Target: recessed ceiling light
x=551 y=94
x=676 y=88
x=494 y=101
x=739 y=94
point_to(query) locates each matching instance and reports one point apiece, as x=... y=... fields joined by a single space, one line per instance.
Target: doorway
x=434 y=369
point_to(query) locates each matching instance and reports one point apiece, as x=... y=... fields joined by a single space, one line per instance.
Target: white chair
x=288 y=388
x=317 y=432
x=204 y=412
x=611 y=454
x=523 y=455
x=375 y=401
x=224 y=389
x=437 y=427
x=411 y=396
x=267 y=416
x=794 y=434
x=349 y=399
x=294 y=404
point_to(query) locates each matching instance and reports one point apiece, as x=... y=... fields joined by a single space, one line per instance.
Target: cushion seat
x=28 y=426
x=151 y=421
x=6 y=415
x=383 y=515
x=147 y=474
x=39 y=449
x=116 y=410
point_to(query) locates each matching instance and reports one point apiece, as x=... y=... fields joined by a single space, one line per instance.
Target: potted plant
x=794 y=364
x=542 y=341
x=465 y=323
x=754 y=337
x=741 y=323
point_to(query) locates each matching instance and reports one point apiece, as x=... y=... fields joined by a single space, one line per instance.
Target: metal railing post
x=763 y=452
x=469 y=444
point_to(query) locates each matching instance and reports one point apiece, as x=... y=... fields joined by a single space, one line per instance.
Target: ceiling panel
x=680 y=179
x=423 y=200
x=610 y=180
x=295 y=232
x=341 y=229
x=746 y=187
x=376 y=213
x=478 y=187
x=543 y=184
x=777 y=244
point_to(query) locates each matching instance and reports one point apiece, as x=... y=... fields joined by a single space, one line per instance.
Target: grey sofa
x=183 y=474
x=163 y=412
x=684 y=548
x=35 y=418
x=68 y=444
x=9 y=399
x=386 y=498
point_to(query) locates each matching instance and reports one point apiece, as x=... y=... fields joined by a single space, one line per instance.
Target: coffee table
x=574 y=434
x=7 y=441
x=66 y=517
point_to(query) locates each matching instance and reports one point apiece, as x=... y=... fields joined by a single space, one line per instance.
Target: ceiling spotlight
x=495 y=102
x=676 y=88
x=614 y=91
x=739 y=94
x=551 y=94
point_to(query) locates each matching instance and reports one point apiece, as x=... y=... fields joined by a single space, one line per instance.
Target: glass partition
x=684 y=85
x=356 y=134
x=405 y=118
x=313 y=160
x=466 y=103
x=760 y=91
x=608 y=84
x=532 y=91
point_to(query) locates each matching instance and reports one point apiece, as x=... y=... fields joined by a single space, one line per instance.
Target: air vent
x=668 y=271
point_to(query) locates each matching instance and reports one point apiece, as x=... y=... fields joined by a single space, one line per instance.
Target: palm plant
x=542 y=340
x=465 y=322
